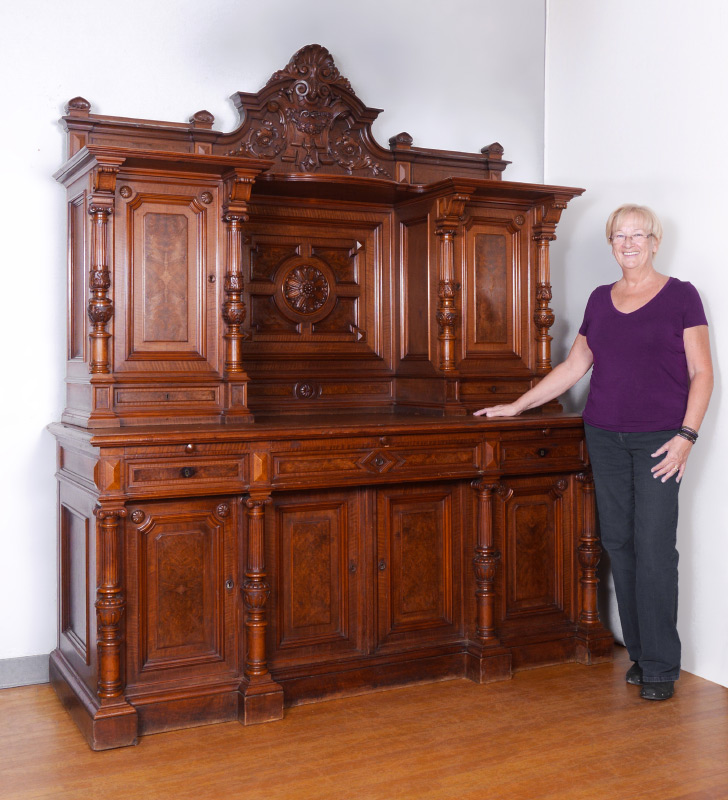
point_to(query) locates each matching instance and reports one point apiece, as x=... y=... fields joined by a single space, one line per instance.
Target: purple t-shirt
x=640 y=378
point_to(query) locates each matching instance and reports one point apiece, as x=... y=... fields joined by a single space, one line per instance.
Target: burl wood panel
x=491 y=294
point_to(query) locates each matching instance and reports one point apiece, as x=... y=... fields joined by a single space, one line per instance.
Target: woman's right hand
x=506 y=410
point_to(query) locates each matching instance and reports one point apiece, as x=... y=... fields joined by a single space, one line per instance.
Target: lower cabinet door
x=317 y=571
x=419 y=561
x=537 y=553
x=181 y=578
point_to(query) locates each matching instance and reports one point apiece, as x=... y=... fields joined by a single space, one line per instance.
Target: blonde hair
x=649 y=218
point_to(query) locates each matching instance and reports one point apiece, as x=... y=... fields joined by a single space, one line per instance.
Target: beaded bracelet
x=689 y=434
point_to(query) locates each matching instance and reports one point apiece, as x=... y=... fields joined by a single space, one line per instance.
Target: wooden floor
x=557 y=732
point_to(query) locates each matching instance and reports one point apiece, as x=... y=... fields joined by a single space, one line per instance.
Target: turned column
x=593 y=642
x=238 y=186
x=486 y=658
x=261 y=698
x=256 y=589
x=485 y=565
x=590 y=551
x=233 y=309
x=450 y=211
x=110 y=601
x=543 y=316
x=100 y=307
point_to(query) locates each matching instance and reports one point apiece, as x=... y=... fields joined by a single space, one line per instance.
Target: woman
x=646 y=337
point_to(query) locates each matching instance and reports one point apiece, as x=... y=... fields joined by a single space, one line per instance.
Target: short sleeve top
x=640 y=376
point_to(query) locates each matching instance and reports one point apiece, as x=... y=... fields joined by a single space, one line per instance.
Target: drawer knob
x=187 y=472
x=542 y=451
x=190 y=448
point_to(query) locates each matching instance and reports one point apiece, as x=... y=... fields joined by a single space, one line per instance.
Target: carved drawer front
x=190 y=467
x=544 y=451
x=328 y=465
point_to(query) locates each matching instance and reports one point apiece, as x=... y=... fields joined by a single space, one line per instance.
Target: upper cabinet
x=294 y=265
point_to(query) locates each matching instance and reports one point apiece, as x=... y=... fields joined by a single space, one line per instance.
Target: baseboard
x=23 y=671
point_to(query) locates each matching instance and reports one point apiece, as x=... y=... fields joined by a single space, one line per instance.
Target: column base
x=105 y=723
x=488 y=663
x=260 y=700
x=593 y=646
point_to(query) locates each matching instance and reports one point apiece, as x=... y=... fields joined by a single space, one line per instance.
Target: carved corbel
x=110 y=601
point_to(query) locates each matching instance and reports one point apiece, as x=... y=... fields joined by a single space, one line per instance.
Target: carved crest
x=308 y=119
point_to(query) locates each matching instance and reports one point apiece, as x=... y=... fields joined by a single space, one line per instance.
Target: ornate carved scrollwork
x=313 y=120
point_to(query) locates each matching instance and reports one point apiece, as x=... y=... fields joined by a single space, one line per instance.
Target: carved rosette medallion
x=307 y=390
x=305 y=289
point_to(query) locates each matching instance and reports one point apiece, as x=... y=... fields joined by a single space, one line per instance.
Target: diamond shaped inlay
x=380 y=461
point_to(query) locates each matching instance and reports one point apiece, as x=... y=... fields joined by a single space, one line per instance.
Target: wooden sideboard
x=272 y=489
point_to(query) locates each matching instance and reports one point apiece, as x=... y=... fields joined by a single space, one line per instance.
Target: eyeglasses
x=637 y=238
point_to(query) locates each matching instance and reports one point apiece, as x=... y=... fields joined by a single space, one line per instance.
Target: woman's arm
x=556 y=382
x=700 y=372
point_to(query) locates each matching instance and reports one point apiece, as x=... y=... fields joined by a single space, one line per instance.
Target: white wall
x=636 y=111
x=455 y=76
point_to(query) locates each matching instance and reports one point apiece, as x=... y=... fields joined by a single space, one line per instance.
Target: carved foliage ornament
x=312 y=121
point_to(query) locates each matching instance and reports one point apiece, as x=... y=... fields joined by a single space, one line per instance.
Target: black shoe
x=634 y=675
x=658 y=691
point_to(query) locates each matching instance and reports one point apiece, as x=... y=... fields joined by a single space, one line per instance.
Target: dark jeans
x=638 y=522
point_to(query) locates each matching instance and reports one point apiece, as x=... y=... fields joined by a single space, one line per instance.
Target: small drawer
x=217 y=474
x=545 y=452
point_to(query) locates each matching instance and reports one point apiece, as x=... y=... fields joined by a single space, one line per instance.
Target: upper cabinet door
x=166 y=268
